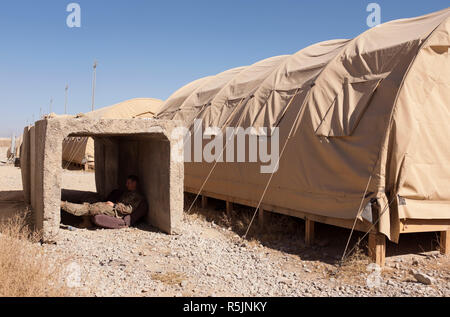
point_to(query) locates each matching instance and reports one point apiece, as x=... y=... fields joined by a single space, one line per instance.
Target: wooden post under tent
x=362 y=127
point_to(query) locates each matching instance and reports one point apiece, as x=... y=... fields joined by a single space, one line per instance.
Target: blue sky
x=151 y=48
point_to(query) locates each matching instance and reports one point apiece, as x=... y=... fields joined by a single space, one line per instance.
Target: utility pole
x=51 y=104
x=93 y=85
x=65 y=102
x=40 y=113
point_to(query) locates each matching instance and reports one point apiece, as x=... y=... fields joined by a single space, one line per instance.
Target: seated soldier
x=123 y=209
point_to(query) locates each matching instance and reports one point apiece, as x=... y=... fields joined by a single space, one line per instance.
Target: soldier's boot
x=75 y=209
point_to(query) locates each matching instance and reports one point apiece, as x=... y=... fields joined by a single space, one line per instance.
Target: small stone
x=390 y=283
x=285 y=281
x=424 y=279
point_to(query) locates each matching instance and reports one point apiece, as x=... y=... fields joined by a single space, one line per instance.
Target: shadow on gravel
x=286 y=234
x=11 y=204
x=79 y=197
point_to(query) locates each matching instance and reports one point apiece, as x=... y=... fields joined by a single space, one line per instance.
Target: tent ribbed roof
x=258 y=95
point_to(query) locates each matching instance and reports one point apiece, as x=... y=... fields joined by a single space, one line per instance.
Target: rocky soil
x=206 y=260
x=208 y=257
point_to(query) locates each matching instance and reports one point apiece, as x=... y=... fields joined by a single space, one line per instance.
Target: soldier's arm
x=127 y=209
x=124 y=209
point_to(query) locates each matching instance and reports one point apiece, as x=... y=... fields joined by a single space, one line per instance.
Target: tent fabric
x=127 y=109
x=371 y=112
x=420 y=151
x=267 y=106
x=234 y=92
x=80 y=150
x=204 y=94
x=220 y=92
x=172 y=105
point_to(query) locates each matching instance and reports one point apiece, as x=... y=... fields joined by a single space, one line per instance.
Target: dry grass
x=25 y=271
x=353 y=268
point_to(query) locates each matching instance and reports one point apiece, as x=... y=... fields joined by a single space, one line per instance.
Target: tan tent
x=81 y=150
x=368 y=120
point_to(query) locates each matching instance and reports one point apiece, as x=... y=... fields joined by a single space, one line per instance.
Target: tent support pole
x=377 y=241
x=445 y=242
x=204 y=201
x=377 y=248
x=229 y=205
x=309 y=232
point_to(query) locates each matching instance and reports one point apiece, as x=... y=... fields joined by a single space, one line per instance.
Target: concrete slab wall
x=106 y=165
x=32 y=164
x=99 y=158
x=154 y=170
x=25 y=165
x=123 y=147
x=39 y=198
x=148 y=157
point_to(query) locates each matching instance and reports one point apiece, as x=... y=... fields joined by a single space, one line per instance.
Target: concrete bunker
x=122 y=147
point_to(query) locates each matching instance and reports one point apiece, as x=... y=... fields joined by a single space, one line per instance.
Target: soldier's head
x=132 y=183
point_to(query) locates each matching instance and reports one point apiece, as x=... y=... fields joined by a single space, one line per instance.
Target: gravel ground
x=3 y=151
x=75 y=180
x=207 y=259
